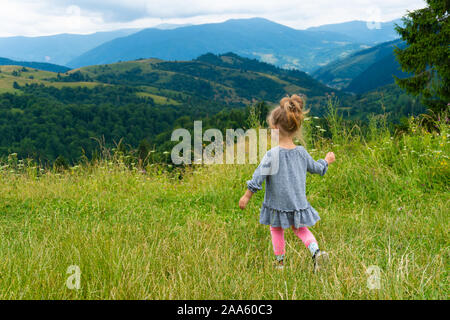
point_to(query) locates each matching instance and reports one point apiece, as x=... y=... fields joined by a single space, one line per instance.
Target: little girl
x=284 y=168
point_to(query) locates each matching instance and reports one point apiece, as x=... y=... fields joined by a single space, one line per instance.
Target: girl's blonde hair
x=289 y=115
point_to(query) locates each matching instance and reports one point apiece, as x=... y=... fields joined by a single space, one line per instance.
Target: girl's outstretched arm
x=245 y=199
x=255 y=184
x=320 y=166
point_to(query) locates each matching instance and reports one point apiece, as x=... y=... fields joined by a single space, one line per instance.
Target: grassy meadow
x=11 y=74
x=172 y=234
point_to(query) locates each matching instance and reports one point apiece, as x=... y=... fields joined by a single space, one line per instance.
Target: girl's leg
x=278 y=240
x=308 y=238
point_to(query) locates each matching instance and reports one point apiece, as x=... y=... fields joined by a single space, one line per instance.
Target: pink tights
x=278 y=238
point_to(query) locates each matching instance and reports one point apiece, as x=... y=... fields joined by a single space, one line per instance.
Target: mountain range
x=36 y=65
x=56 y=49
x=344 y=56
x=254 y=38
x=257 y=38
x=364 y=70
x=364 y=31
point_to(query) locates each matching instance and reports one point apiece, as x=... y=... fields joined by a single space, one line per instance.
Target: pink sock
x=277 y=240
x=305 y=235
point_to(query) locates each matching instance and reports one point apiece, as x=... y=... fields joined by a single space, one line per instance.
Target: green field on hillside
x=11 y=74
x=178 y=233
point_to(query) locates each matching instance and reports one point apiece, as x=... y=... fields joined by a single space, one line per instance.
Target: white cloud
x=27 y=17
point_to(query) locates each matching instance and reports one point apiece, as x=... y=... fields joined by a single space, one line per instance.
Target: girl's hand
x=243 y=202
x=330 y=158
x=245 y=199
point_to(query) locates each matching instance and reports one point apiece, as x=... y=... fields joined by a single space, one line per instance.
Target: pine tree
x=427 y=34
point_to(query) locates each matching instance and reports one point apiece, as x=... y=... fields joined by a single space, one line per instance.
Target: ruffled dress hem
x=286 y=218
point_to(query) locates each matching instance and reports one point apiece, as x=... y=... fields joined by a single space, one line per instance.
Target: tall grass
x=154 y=234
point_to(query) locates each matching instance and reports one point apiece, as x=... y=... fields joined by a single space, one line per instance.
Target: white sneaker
x=279 y=264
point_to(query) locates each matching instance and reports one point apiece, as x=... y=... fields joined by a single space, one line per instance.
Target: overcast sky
x=46 y=17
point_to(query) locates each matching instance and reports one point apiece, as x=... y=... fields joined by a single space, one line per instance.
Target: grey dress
x=284 y=171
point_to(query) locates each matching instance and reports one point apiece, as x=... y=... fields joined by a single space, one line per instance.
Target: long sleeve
x=260 y=175
x=320 y=166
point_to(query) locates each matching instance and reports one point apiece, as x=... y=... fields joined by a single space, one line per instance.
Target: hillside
x=378 y=74
x=390 y=100
x=135 y=100
x=227 y=78
x=58 y=49
x=364 y=32
x=45 y=114
x=35 y=65
x=10 y=74
x=156 y=232
x=254 y=38
x=341 y=72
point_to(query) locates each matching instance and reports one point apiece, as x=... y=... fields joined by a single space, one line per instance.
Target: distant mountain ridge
x=257 y=38
x=36 y=65
x=354 y=72
x=170 y=26
x=253 y=38
x=57 y=49
x=364 y=31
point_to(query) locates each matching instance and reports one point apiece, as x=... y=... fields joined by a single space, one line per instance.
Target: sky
x=47 y=17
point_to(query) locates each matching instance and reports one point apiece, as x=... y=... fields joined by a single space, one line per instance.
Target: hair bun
x=289 y=105
x=289 y=115
x=293 y=104
x=298 y=100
